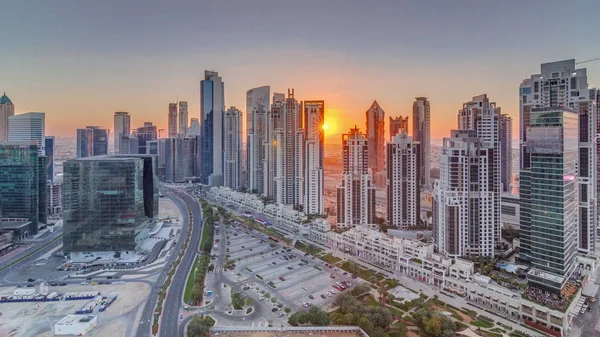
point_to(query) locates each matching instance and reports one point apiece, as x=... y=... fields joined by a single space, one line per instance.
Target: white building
x=421 y=133
x=172 y=120
x=233 y=148
x=403 y=185
x=183 y=118
x=76 y=325
x=30 y=126
x=356 y=194
x=7 y=109
x=257 y=128
x=122 y=129
x=314 y=115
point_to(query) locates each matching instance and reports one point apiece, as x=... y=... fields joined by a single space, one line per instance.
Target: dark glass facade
x=92 y=141
x=145 y=134
x=50 y=145
x=206 y=142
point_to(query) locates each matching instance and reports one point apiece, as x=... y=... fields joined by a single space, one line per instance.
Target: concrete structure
x=233 y=148
x=505 y=129
x=212 y=108
x=314 y=152
x=172 y=120
x=30 y=126
x=375 y=119
x=560 y=84
x=144 y=134
x=50 y=147
x=77 y=325
x=422 y=133
x=356 y=194
x=92 y=141
x=464 y=219
x=403 y=188
x=122 y=128
x=183 y=118
x=54 y=198
x=7 y=109
x=257 y=128
x=397 y=125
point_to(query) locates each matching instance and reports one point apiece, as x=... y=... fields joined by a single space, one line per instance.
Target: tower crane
x=159 y=130
x=591 y=60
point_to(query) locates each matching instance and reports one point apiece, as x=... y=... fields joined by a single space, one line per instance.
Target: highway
x=37 y=244
x=30 y=258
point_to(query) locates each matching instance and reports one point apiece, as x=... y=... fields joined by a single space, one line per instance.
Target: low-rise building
x=77 y=325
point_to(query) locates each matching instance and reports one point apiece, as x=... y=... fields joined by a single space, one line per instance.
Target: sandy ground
x=38 y=318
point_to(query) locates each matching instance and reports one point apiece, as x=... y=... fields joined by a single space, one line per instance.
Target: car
x=54 y=284
x=354 y=276
x=592 y=299
x=40 y=280
x=345 y=273
x=305 y=305
x=30 y=285
x=274 y=309
x=62 y=284
x=304 y=288
x=328 y=294
x=290 y=267
x=323 y=296
x=243 y=247
x=20 y=286
x=88 y=278
x=262 y=298
x=94 y=283
x=246 y=287
x=280 y=314
x=311 y=297
x=333 y=291
x=332 y=276
x=282 y=278
x=84 y=283
x=30 y=280
x=109 y=277
x=274 y=263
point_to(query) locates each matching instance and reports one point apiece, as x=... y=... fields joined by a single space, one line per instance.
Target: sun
x=329 y=126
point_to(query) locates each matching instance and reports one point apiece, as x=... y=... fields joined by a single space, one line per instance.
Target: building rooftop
x=5 y=100
x=12 y=224
x=75 y=319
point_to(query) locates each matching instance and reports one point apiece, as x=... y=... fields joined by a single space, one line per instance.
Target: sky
x=80 y=61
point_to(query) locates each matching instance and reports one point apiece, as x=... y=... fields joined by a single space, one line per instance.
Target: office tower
x=122 y=128
x=314 y=150
x=194 y=129
x=54 y=197
x=107 y=201
x=483 y=117
x=397 y=125
x=26 y=127
x=288 y=138
x=129 y=144
x=463 y=199
x=257 y=127
x=560 y=84
x=403 y=190
x=595 y=97
x=172 y=122
x=233 y=148
x=212 y=108
x=549 y=197
x=356 y=194
x=20 y=186
x=183 y=118
x=92 y=141
x=505 y=126
x=376 y=138
x=421 y=134
x=269 y=167
x=50 y=147
x=7 y=109
x=145 y=134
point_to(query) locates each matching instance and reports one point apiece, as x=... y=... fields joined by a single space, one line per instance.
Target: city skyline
x=432 y=64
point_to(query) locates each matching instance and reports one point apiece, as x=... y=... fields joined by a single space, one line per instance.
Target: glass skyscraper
x=92 y=141
x=212 y=106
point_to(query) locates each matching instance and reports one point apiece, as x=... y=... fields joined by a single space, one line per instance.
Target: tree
x=199 y=326
x=345 y=301
x=249 y=301
x=196 y=293
x=237 y=300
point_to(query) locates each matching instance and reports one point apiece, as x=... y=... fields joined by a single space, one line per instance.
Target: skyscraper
x=183 y=118
x=269 y=167
x=122 y=128
x=356 y=194
x=376 y=137
x=560 y=84
x=314 y=149
x=145 y=134
x=403 y=190
x=257 y=127
x=212 y=108
x=7 y=109
x=92 y=141
x=50 y=147
x=421 y=134
x=549 y=197
x=397 y=125
x=172 y=121
x=288 y=135
x=464 y=210
x=26 y=127
x=506 y=152
x=233 y=148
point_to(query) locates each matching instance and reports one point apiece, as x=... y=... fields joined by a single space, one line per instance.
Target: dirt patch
x=465 y=318
x=112 y=329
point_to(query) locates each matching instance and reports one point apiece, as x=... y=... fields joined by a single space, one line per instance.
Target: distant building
x=212 y=108
x=397 y=125
x=183 y=118
x=144 y=134
x=54 y=197
x=172 y=120
x=129 y=145
x=122 y=128
x=232 y=145
x=30 y=126
x=314 y=153
x=178 y=156
x=376 y=138
x=92 y=141
x=7 y=109
x=50 y=147
x=422 y=134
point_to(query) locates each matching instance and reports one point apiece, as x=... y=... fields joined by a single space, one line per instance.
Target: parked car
x=311 y=297
x=323 y=296
x=30 y=280
x=282 y=278
x=274 y=309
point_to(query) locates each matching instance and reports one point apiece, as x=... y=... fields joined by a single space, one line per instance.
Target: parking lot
x=263 y=265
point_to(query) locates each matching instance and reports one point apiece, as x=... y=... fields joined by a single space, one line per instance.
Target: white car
x=262 y=298
x=328 y=294
x=333 y=291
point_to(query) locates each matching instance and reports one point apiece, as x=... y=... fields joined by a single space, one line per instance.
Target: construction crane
x=586 y=61
x=159 y=130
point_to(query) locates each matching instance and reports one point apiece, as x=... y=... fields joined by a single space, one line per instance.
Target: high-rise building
x=107 y=201
x=376 y=137
x=421 y=134
x=50 y=147
x=560 y=84
x=233 y=148
x=20 y=180
x=7 y=109
x=54 y=197
x=129 y=144
x=403 y=190
x=183 y=118
x=314 y=153
x=92 y=141
x=172 y=122
x=464 y=209
x=549 y=197
x=178 y=156
x=269 y=167
x=356 y=194
x=397 y=125
x=212 y=108
x=145 y=134
x=257 y=127
x=26 y=127
x=288 y=135
x=122 y=128
x=506 y=152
